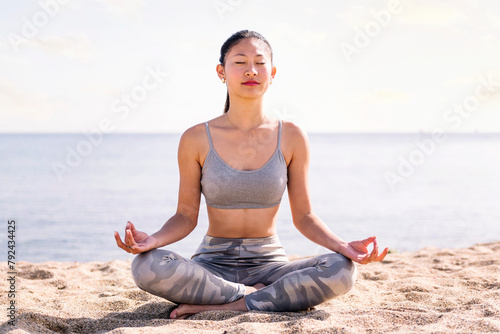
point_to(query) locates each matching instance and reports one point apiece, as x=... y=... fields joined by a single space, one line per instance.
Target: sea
x=68 y=193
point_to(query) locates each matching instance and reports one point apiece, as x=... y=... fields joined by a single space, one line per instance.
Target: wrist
x=340 y=246
x=156 y=241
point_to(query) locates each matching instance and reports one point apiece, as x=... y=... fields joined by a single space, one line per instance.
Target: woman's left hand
x=358 y=251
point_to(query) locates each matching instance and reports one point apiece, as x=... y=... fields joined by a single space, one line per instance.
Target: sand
x=428 y=291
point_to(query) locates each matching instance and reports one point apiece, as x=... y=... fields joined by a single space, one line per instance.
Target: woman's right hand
x=135 y=241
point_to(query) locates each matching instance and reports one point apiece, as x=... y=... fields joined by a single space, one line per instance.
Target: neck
x=246 y=114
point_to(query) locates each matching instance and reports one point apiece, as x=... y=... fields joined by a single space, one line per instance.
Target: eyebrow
x=244 y=55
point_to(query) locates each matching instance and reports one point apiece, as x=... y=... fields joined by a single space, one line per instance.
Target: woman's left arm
x=304 y=219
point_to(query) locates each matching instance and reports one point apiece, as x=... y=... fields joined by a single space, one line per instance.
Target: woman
x=242 y=162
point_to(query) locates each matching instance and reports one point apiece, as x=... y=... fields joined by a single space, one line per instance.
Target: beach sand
x=428 y=291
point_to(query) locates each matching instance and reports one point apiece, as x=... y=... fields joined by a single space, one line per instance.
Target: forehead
x=250 y=47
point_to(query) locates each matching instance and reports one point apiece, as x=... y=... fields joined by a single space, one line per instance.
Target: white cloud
x=430 y=13
x=124 y=8
x=12 y=63
x=311 y=38
x=354 y=16
x=386 y=96
x=493 y=20
x=72 y=46
x=31 y=106
x=476 y=78
x=3 y=46
x=104 y=90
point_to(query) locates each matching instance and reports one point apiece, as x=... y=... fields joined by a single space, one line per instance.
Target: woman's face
x=248 y=68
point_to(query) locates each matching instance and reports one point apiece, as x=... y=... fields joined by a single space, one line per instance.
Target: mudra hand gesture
x=358 y=251
x=135 y=241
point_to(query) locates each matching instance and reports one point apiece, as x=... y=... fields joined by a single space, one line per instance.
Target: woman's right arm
x=185 y=218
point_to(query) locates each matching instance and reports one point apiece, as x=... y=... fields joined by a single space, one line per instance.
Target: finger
x=374 y=253
x=128 y=238
x=131 y=227
x=131 y=241
x=363 y=259
x=130 y=245
x=375 y=245
x=120 y=243
x=382 y=256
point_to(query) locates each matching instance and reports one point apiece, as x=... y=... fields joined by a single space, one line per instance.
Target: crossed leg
x=285 y=286
x=168 y=275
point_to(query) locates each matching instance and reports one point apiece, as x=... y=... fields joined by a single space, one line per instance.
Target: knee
x=349 y=274
x=344 y=272
x=154 y=268
x=142 y=271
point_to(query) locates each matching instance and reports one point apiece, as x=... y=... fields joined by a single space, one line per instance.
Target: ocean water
x=68 y=194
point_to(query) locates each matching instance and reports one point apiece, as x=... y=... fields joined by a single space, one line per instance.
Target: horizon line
x=307 y=132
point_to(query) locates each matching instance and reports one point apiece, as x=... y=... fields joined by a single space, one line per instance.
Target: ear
x=220 y=71
x=273 y=72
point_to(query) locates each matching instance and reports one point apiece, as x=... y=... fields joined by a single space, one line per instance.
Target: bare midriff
x=242 y=223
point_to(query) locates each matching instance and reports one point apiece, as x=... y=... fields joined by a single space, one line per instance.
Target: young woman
x=242 y=162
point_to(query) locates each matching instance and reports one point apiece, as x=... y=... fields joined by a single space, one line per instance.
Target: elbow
x=188 y=215
x=188 y=221
x=297 y=222
x=301 y=221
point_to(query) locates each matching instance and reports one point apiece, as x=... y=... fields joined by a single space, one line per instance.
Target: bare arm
x=185 y=219
x=304 y=219
x=310 y=225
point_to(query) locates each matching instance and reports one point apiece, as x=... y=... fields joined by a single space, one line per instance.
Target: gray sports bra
x=225 y=187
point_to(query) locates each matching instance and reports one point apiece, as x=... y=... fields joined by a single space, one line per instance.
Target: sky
x=137 y=66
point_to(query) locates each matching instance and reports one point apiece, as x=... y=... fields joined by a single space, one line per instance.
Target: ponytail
x=226 y=107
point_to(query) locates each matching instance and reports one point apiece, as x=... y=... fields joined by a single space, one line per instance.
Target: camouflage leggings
x=221 y=267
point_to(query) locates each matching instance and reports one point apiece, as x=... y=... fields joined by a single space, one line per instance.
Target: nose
x=251 y=71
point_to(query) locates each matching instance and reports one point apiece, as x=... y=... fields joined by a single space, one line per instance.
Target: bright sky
x=343 y=66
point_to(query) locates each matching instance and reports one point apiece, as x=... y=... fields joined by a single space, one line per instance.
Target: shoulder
x=293 y=134
x=194 y=141
x=193 y=135
x=197 y=134
x=294 y=141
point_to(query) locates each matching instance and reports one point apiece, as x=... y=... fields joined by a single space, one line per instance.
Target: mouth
x=250 y=83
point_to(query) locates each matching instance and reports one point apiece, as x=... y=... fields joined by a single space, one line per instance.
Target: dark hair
x=232 y=41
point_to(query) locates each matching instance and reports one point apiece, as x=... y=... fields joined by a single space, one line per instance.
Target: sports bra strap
x=209 y=136
x=279 y=135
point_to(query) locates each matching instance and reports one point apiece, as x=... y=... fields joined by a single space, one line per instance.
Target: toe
x=174 y=313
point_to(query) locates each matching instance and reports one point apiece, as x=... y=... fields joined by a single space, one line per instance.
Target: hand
x=135 y=241
x=358 y=251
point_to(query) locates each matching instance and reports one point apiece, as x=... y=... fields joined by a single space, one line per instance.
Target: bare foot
x=250 y=289
x=186 y=310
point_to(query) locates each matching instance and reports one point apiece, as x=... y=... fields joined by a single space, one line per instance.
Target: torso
x=245 y=154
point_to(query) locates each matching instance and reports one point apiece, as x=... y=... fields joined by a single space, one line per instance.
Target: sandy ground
x=429 y=291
